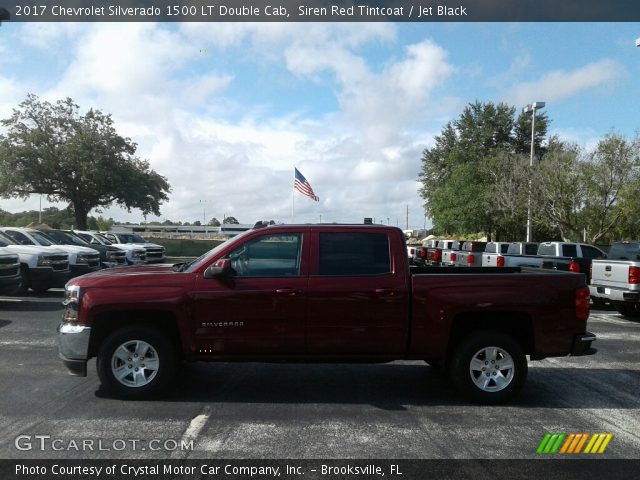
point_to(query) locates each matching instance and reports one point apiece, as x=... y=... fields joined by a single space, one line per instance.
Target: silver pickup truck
x=470 y=255
x=617 y=279
x=448 y=256
x=517 y=254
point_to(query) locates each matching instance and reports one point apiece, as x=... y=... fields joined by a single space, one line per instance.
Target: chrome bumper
x=73 y=347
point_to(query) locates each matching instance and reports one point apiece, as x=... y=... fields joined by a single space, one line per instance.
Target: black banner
x=320 y=11
x=583 y=469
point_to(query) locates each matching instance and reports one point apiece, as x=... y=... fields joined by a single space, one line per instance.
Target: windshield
x=42 y=239
x=73 y=239
x=5 y=241
x=130 y=238
x=62 y=238
x=102 y=239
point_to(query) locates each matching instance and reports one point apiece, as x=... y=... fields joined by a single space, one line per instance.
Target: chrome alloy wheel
x=135 y=363
x=491 y=369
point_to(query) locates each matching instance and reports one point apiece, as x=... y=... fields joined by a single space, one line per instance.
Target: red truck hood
x=136 y=275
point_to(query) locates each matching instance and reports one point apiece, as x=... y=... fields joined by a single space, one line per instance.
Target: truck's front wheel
x=488 y=367
x=136 y=362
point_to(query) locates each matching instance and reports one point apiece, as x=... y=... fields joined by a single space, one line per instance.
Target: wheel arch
x=517 y=325
x=108 y=322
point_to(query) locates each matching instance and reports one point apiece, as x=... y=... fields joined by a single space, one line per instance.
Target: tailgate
x=489 y=259
x=612 y=273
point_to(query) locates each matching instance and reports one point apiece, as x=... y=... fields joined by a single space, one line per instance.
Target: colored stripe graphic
x=573 y=443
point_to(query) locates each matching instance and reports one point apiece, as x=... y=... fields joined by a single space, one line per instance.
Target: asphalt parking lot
x=401 y=410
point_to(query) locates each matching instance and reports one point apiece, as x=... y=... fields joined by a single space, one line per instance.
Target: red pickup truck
x=321 y=293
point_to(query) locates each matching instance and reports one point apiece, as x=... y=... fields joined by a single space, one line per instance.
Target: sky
x=225 y=110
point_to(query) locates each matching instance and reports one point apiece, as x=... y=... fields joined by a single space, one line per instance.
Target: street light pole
x=531 y=108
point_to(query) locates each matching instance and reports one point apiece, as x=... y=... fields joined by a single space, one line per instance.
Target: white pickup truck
x=81 y=259
x=155 y=252
x=41 y=268
x=617 y=279
x=135 y=255
x=516 y=254
x=10 y=279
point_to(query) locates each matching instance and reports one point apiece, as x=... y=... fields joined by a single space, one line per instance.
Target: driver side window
x=268 y=256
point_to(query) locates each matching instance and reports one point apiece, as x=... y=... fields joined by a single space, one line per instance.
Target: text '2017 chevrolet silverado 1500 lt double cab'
x=321 y=293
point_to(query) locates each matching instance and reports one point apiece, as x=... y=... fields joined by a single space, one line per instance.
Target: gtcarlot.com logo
x=574 y=443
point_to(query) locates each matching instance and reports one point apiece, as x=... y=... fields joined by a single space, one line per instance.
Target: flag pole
x=293 y=193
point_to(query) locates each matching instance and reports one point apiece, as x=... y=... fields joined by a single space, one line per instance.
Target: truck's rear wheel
x=488 y=367
x=136 y=362
x=628 y=309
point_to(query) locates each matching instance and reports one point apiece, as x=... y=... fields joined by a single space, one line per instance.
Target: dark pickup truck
x=321 y=293
x=570 y=257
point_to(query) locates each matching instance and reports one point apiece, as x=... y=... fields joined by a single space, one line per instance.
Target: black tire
x=631 y=310
x=25 y=280
x=437 y=364
x=141 y=377
x=498 y=384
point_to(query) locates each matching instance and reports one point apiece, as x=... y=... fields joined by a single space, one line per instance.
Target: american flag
x=304 y=187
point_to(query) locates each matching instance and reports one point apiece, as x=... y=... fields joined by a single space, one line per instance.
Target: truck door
x=358 y=302
x=260 y=309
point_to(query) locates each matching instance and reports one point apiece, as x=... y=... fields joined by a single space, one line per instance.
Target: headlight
x=71 y=303
x=82 y=258
x=44 y=261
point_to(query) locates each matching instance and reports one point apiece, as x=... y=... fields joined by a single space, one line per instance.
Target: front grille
x=9 y=271
x=8 y=260
x=93 y=260
x=59 y=262
x=155 y=253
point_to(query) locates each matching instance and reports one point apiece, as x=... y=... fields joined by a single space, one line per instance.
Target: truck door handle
x=385 y=291
x=286 y=291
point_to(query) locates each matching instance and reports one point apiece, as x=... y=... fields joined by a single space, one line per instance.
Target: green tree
x=611 y=177
x=469 y=158
x=214 y=222
x=231 y=220
x=52 y=149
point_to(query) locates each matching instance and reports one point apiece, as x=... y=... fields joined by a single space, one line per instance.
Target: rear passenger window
x=504 y=248
x=591 y=252
x=354 y=254
x=569 y=251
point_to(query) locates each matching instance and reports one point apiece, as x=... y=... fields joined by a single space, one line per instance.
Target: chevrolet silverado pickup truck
x=81 y=259
x=134 y=255
x=155 y=252
x=470 y=255
x=567 y=256
x=10 y=279
x=110 y=256
x=434 y=254
x=617 y=279
x=321 y=293
x=517 y=254
x=449 y=254
x=41 y=268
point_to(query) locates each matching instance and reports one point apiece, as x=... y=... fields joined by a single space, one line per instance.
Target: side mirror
x=220 y=269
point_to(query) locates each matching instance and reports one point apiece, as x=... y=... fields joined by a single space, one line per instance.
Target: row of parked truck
x=44 y=258
x=613 y=278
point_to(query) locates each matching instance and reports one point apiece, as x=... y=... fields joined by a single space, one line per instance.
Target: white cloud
x=166 y=91
x=560 y=84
